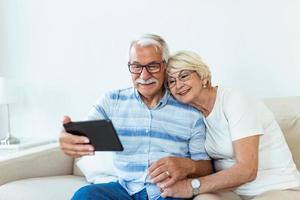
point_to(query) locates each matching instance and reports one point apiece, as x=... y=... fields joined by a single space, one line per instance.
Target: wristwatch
x=196 y=186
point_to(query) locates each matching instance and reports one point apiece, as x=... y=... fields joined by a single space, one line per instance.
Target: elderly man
x=151 y=125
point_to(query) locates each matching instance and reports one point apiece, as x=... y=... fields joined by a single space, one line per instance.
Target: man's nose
x=145 y=75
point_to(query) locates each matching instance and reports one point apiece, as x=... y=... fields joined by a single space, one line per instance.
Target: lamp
x=6 y=97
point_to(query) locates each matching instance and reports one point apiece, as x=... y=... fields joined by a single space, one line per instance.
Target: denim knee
x=84 y=193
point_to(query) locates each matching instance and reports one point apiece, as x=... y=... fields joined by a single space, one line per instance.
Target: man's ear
x=164 y=67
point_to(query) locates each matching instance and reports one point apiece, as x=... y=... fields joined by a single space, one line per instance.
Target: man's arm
x=200 y=168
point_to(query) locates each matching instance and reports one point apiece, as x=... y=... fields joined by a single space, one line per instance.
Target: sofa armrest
x=49 y=161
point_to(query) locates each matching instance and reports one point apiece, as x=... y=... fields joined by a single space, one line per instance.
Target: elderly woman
x=251 y=157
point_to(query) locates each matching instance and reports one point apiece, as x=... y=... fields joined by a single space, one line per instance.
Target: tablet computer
x=101 y=133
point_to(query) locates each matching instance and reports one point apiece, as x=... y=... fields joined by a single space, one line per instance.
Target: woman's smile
x=183 y=92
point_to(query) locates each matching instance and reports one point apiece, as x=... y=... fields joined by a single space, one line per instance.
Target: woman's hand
x=181 y=189
x=169 y=170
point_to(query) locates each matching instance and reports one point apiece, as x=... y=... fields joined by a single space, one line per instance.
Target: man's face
x=148 y=84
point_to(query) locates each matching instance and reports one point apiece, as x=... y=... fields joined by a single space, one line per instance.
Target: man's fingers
x=162 y=161
x=78 y=147
x=157 y=171
x=73 y=139
x=78 y=150
x=160 y=178
x=67 y=119
x=74 y=145
x=79 y=139
x=154 y=166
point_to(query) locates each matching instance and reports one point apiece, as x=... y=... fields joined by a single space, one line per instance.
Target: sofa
x=50 y=175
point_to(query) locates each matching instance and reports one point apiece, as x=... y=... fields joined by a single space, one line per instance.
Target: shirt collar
x=161 y=102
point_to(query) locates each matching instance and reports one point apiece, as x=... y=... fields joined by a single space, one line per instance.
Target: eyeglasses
x=152 y=67
x=184 y=75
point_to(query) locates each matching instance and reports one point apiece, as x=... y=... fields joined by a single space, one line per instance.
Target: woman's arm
x=245 y=170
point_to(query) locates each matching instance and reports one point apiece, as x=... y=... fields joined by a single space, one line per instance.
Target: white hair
x=154 y=40
x=188 y=60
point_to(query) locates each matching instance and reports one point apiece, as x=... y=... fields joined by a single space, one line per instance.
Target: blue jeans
x=110 y=191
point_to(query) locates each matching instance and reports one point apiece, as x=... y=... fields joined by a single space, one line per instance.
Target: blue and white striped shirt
x=169 y=129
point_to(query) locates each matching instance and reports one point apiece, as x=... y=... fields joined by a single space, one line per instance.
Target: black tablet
x=101 y=133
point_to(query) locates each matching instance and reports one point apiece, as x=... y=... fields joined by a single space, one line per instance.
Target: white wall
x=65 y=53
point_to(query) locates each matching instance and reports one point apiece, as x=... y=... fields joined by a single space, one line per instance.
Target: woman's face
x=184 y=85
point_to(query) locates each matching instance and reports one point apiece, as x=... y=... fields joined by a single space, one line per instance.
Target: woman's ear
x=205 y=83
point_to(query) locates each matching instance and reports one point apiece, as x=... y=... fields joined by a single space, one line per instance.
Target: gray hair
x=158 y=42
x=188 y=60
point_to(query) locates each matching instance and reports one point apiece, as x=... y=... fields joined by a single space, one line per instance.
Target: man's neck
x=152 y=101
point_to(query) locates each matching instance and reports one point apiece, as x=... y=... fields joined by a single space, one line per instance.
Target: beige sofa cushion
x=287 y=114
x=36 y=162
x=47 y=188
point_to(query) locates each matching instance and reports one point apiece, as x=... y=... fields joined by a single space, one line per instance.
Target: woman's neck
x=205 y=101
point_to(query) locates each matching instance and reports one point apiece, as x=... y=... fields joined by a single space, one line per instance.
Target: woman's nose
x=179 y=84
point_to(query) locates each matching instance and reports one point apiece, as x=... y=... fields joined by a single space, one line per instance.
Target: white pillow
x=98 y=168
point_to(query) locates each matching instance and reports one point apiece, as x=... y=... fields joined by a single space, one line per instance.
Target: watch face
x=195 y=183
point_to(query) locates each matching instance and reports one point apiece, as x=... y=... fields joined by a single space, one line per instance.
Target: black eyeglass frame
x=146 y=66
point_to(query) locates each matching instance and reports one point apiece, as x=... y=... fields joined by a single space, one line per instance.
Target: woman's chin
x=182 y=99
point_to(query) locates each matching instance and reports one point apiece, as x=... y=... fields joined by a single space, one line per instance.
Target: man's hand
x=73 y=145
x=181 y=189
x=166 y=171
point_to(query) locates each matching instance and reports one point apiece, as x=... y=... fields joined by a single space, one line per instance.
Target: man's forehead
x=144 y=54
x=149 y=49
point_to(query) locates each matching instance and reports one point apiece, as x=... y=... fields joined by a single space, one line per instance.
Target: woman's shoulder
x=235 y=97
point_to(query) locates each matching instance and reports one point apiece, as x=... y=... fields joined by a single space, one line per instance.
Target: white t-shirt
x=235 y=116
